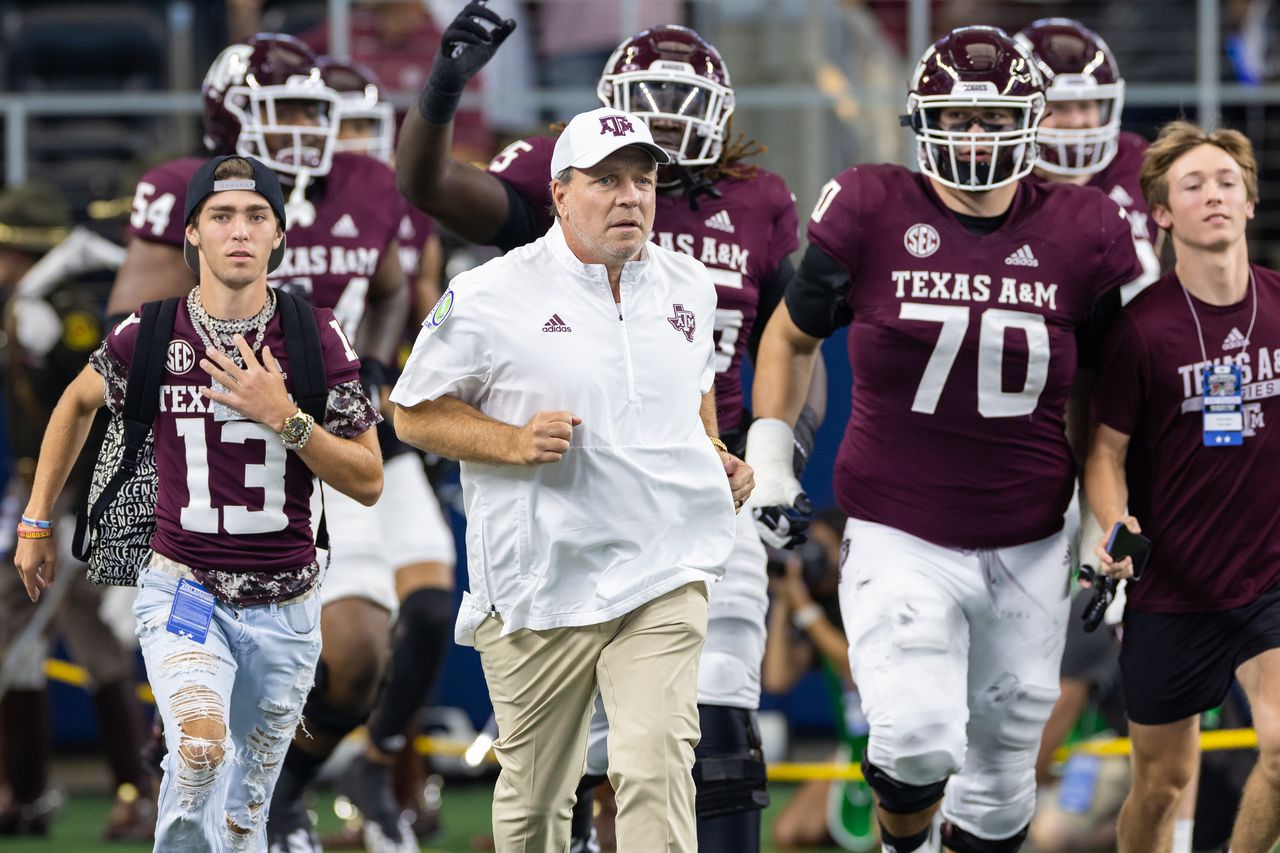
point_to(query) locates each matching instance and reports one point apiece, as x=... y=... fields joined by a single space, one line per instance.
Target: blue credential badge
x=1223 y=406
x=192 y=611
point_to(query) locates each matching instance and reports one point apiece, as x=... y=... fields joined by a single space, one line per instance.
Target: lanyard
x=1248 y=336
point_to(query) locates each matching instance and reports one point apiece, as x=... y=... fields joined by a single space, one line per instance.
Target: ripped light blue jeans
x=230 y=706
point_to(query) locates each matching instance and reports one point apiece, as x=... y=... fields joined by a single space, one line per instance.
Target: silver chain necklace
x=219 y=334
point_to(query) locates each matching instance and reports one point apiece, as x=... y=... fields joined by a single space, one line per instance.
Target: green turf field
x=465 y=815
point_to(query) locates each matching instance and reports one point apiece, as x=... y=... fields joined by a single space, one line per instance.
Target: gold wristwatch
x=296 y=430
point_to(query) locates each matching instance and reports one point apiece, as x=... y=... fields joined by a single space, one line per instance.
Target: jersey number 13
x=200 y=515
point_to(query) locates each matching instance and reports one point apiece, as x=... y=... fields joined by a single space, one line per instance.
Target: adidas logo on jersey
x=555 y=324
x=1022 y=258
x=721 y=222
x=1235 y=340
x=345 y=227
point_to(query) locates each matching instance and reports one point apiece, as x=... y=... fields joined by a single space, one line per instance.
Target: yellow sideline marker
x=1212 y=741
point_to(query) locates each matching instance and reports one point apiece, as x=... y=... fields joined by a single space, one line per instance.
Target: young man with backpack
x=227 y=609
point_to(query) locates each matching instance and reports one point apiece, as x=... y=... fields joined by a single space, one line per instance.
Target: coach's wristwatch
x=296 y=430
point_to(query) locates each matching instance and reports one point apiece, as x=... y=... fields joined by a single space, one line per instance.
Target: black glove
x=782 y=527
x=465 y=47
x=1104 y=591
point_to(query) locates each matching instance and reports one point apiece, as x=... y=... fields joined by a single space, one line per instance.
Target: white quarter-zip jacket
x=639 y=505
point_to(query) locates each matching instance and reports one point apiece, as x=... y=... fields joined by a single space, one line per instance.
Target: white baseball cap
x=593 y=136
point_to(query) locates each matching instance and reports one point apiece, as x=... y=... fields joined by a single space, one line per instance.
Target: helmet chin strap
x=692 y=182
x=298 y=210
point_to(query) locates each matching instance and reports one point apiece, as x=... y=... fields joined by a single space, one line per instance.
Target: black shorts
x=1177 y=665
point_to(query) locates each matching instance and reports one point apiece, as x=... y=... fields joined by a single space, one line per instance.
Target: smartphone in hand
x=1125 y=543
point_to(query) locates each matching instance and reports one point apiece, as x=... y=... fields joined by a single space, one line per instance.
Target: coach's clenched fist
x=545 y=437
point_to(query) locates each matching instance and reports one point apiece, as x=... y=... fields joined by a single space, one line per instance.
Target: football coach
x=573 y=379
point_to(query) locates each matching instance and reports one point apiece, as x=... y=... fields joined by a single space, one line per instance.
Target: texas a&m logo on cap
x=617 y=125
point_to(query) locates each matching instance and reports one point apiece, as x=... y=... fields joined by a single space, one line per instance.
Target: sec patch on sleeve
x=440 y=313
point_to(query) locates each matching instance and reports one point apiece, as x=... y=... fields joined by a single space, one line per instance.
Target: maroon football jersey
x=229 y=497
x=1120 y=182
x=741 y=237
x=414 y=230
x=963 y=348
x=525 y=166
x=1210 y=512
x=329 y=262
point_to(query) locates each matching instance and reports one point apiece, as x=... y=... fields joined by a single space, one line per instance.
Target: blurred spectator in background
x=1154 y=40
x=576 y=37
x=1251 y=35
x=51 y=322
x=805 y=632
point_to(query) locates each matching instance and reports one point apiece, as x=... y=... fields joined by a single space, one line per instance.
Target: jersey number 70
x=993 y=400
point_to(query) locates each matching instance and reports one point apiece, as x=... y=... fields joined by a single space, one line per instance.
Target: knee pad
x=425 y=615
x=898 y=797
x=329 y=720
x=724 y=676
x=728 y=770
x=323 y=716
x=919 y=749
x=956 y=839
x=354 y=688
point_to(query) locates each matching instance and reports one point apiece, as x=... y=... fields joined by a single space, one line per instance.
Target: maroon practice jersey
x=1210 y=512
x=1120 y=181
x=742 y=237
x=963 y=348
x=329 y=262
x=230 y=498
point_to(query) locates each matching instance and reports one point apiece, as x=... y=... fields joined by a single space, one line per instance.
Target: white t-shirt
x=639 y=505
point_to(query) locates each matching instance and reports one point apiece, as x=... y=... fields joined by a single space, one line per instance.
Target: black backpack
x=113 y=532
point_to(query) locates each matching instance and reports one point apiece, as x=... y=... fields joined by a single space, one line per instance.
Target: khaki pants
x=543 y=683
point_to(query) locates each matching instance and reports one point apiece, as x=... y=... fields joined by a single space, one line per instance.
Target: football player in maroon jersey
x=415 y=540
x=740 y=221
x=1080 y=138
x=227 y=611
x=1081 y=143
x=970 y=294
x=266 y=98
x=1186 y=406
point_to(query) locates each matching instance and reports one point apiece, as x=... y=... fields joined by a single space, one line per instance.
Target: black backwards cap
x=264 y=182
